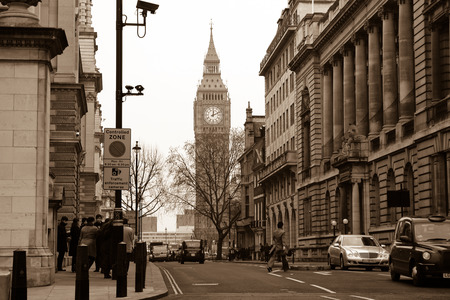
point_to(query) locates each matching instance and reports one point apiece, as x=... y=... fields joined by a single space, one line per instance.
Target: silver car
x=363 y=251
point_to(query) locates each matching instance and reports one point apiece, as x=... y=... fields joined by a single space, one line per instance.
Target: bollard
x=19 y=279
x=82 y=275
x=144 y=263
x=5 y=285
x=139 y=267
x=121 y=270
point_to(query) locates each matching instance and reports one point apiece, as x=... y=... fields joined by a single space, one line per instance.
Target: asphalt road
x=223 y=280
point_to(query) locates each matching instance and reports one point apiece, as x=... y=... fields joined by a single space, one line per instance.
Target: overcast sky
x=168 y=62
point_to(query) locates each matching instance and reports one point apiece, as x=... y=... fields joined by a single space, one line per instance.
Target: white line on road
x=197 y=284
x=322 y=288
x=296 y=280
x=354 y=296
x=326 y=297
x=275 y=275
x=174 y=285
x=323 y=273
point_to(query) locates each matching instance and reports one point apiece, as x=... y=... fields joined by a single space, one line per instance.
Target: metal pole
x=136 y=188
x=118 y=218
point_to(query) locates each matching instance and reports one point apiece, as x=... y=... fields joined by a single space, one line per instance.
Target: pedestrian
x=128 y=238
x=98 y=223
x=280 y=246
x=74 y=238
x=62 y=242
x=266 y=252
x=105 y=243
x=83 y=222
x=261 y=252
x=88 y=237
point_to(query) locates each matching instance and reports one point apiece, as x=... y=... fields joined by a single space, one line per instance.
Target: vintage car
x=362 y=251
x=421 y=249
x=192 y=250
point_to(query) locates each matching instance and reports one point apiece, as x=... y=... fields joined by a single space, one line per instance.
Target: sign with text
x=117 y=143
x=116 y=178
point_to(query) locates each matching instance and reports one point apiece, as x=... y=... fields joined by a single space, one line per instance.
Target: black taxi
x=421 y=249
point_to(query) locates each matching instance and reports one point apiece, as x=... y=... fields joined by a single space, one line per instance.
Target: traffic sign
x=117 y=143
x=116 y=178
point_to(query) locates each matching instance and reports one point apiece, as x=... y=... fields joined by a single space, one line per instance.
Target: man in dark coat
x=98 y=223
x=62 y=242
x=74 y=237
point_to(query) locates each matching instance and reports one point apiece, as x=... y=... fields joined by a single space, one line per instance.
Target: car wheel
x=202 y=261
x=384 y=269
x=182 y=262
x=342 y=265
x=332 y=267
x=394 y=275
x=417 y=276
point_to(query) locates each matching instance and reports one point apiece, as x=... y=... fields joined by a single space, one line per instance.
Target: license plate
x=446 y=275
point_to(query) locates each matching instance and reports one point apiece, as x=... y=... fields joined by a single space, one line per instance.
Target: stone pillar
x=26 y=50
x=327 y=112
x=390 y=94
x=362 y=123
x=375 y=96
x=435 y=64
x=349 y=87
x=406 y=59
x=338 y=107
x=356 y=219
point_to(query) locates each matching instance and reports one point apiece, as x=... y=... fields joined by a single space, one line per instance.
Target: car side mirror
x=383 y=246
x=405 y=238
x=336 y=245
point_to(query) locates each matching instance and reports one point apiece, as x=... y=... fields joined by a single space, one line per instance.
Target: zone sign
x=117 y=143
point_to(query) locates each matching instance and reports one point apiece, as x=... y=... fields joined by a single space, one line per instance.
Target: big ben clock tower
x=211 y=117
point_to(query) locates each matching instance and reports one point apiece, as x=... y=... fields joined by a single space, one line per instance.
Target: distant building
x=150 y=224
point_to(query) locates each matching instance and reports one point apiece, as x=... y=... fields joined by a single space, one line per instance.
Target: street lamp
x=334 y=223
x=345 y=221
x=136 y=150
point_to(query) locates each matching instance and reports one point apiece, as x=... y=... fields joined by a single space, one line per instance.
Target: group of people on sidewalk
x=97 y=236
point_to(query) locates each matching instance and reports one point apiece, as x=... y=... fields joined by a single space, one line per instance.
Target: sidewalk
x=101 y=288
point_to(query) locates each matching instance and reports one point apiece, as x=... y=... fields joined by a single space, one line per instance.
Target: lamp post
x=229 y=224
x=136 y=150
x=117 y=236
x=345 y=221
x=334 y=223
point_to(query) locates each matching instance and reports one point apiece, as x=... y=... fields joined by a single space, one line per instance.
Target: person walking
x=280 y=246
x=74 y=238
x=105 y=250
x=88 y=237
x=62 y=242
x=98 y=223
x=128 y=238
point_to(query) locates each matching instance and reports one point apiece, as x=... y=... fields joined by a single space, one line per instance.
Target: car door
x=335 y=251
x=404 y=247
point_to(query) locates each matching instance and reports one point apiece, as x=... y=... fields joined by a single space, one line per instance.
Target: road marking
x=197 y=284
x=323 y=273
x=354 y=296
x=387 y=275
x=322 y=288
x=326 y=297
x=296 y=280
x=275 y=275
x=174 y=285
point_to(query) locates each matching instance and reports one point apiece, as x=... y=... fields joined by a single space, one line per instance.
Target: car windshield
x=432 y=231
x=192 y=244
x=159 y=248
x=360 y=241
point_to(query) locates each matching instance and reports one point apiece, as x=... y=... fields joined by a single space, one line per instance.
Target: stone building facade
x=48 y=107
x=372 y=116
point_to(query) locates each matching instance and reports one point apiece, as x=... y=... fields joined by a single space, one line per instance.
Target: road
x=224 y=280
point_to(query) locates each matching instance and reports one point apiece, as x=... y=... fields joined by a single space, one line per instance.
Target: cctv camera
x=77 y=134
x=139 y=88
x=129 y=88
x=147 y=6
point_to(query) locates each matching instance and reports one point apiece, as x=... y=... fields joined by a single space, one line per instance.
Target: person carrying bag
x=278 y=249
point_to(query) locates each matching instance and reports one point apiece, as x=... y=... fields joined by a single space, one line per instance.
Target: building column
x=349 y=87
x=361 y=117
x=356 y=209
x=25 y=63
x=406 y=59
x=435 y=67
x=390 y=94
x=375 y=96
x=338 y=107
x=327 y=111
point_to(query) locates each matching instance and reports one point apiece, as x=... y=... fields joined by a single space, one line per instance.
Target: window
x=292 y=114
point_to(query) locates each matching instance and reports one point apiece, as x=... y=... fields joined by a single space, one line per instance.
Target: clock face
x=213 y=115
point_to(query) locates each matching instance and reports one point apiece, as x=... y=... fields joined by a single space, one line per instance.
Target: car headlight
x=352 y=254
x=383 y=255
x=426 y=255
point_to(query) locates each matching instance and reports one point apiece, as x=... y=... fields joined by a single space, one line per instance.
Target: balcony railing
x=258 y=224
x=286 y=159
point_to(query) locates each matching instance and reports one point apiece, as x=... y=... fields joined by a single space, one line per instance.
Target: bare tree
x=204 y=177
x=150 y=186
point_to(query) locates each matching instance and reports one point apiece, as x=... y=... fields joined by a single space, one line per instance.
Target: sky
x=168 y=63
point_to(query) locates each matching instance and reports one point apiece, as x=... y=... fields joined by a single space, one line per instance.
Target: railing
x=258 y=224
x=287 y=158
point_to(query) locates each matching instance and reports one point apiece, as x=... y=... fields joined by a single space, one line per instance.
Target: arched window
x=390 y=186
x=375 y=201
x=409 y=185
